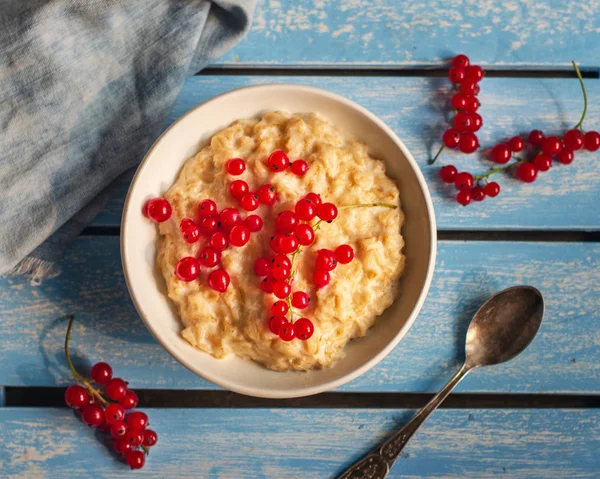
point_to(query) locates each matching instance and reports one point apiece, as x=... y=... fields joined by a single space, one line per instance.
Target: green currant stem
x=499 y=170
x=432 y=161
x=291 y=279
x=146 y=450
x=317 y=225
x=78 y=377
x=367 y=205
x=580 y=124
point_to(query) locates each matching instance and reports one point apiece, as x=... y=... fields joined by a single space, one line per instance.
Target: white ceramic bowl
x=159 y=170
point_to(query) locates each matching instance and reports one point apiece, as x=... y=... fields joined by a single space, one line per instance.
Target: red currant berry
x=267 y=195
x=218 y=241
x=478 y=193
x=262 y=267
x=280 y=272
x=137 y=420
x=276 y=243
x=278 y=161
x=135 y=459
x=191 y=234
x=591 y=141
x=462 y=122
x=267 y=284
x=207 y=208
x=326 y=260
x=229 y=217
x=456 y=75
x=566 y=157
x=573 y=140
x=299 y=167
x=464 y=197
x=277 y=322
x=501 y=153
x=92 y=415
x=472 y=103
x=344 y=254
x=327 y=211
x=114 y=412
x=282 y=289
x=492 y=189
x=101 y=373
x=536 y=138
x=185 y=224
x=289 y=244
x=300 y=300
x=118 y=429
x=238 y=188
x=287 y=332
x=527 y=172
x=236 y=166
x=304 y=329
x=249 y=201
x=280 y=308
x=187 y=269
x=122 y=446
x=468 y=142
x=239 y=235
x=305 y=234
x=286 y=221
x=218 y=280
x=254 y=223
x=281 y=259
x=130 y=400
x=459 y=101
x=76 y=396
x=552 y=146
x=208 y=225
x=542 y=162
x=150 y=438
x=463 y=181
x=321 y=278
x=158 y=210
x=134 y=437
x=474 y=73
x=306 y=210
x=476 y=122
x=209 y=257
x=313 y=198
x=469 y=87
x=451 y=138
x=460 y=61
x=516 y=144
x=116 y=387
x=448 y=173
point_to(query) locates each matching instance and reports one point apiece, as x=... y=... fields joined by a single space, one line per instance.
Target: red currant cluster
x=540 y=150
x=128 y=429
x=292 y=231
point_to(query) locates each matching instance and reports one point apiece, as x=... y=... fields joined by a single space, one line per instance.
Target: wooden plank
x=565 y=357
x=415 y=108
x=296 y=443
x=412 y=33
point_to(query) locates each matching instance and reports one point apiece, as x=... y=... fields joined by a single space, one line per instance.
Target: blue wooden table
x=535 y=417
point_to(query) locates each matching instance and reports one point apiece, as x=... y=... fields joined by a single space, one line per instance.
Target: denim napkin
x=85 y=88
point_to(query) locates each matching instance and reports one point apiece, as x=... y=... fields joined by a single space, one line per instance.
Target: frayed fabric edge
x=36 y=270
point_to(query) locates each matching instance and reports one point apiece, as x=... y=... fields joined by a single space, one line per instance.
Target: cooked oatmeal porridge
x=340 y=171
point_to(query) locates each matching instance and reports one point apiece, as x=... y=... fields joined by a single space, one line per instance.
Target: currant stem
x=432 y=161
x=367 y=205
x=288 y=300
x=499 y=170
x=580 y=78
x=78 y=377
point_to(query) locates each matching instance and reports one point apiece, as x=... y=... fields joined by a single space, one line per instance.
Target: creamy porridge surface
x=342 y=172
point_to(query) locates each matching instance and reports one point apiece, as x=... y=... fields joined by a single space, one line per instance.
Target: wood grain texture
x=292 y=443
x=565 y=198
x=409 y=33
x=565 y=356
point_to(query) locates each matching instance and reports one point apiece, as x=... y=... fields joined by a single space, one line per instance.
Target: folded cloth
x=85 y=88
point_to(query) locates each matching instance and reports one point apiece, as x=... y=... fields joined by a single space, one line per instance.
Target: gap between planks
x=165 y=398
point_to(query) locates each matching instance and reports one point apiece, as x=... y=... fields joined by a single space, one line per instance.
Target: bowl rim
x=334 y=383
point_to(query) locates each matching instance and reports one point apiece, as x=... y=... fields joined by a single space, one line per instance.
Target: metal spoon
x=500 y=330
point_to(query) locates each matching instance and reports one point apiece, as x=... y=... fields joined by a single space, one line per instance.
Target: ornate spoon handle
x=378 y=464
